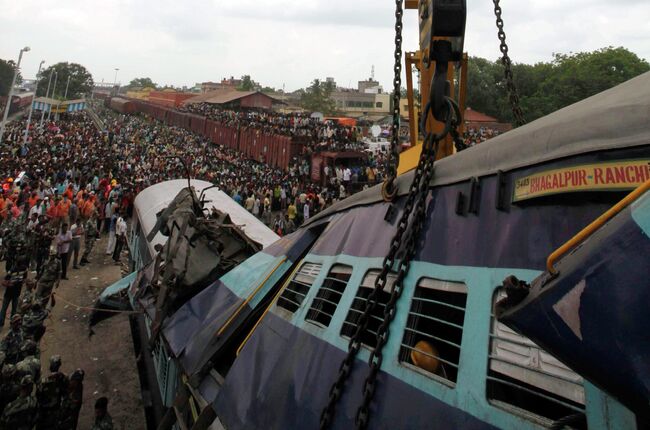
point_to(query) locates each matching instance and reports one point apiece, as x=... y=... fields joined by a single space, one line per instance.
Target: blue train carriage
x=261 y=346
x=590 y=308
x=159 y=372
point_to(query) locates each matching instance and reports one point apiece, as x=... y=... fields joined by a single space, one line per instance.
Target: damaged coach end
x=182 y=239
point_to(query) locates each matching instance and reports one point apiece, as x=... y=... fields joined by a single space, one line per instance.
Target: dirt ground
x=107 y=358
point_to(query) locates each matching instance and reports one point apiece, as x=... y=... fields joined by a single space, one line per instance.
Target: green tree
x=575 y=77
x=81 y=81
x=318 y=97
x=548 y=86
x=268 y=90
x=6 y=75
x=142 y=83
x=483 y=81
x=247 y=84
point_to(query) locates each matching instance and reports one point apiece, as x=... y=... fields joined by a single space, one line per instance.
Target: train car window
x=525 y=379
x=359 y=304
x=329 y=294
x=294 y=294
x=434 y=329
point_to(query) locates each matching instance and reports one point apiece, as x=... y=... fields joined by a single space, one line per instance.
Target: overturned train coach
x=261 y=345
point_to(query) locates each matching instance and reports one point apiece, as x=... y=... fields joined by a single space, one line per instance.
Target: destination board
x=608 y=176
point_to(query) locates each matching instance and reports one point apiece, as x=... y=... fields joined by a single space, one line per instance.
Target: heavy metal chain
x=507 y=64
x=393 y=159
x=401 y=251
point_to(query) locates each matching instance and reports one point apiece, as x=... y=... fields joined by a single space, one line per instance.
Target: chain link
x=393 y=161
x=401 y=251
x=507 y=64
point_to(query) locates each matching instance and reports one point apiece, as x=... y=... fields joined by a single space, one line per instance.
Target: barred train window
x=434 y=329
x=524 y=378
x=329 y=294
x=359 y=304
x=294 y=294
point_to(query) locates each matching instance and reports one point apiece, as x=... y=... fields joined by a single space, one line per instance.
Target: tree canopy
x=548 y=86
x=81 y=81
x=318 y=97
x=6 y=75
x=248 y=84
x=142 y=83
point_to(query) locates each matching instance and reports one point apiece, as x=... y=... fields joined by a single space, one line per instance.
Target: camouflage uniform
x=103 y=423
x=71 y=402
x=9 y=386
x=30 y=363
x=51 y=275
x=27 y=298
x=89 y=241
x=33 y=322
x=22 y=413
x=11 y=343
x=50 y=395
x=44 y=238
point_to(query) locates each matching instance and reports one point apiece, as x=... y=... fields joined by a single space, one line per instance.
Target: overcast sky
x=290 y=42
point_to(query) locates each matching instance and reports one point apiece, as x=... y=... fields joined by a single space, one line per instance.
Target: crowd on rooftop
x=475 y=135
x=317 y=135
x=151 y=152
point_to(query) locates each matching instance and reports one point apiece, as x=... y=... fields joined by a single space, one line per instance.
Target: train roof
x=23 y=95
x=157 y=197
x=613 y=119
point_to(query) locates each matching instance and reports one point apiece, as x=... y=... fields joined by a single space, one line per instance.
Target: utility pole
x=65 y=96
x=47 y=92
x=11 y=91
x=115 y=81
x=31 y=106
x=56 y=77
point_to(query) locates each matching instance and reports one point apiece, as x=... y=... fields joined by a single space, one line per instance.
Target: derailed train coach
x=261 y=345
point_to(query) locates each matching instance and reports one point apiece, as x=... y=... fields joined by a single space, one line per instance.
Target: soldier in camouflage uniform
x=27 y=298
x=50 y=395
x=44 y=236
x=30 y=363
x=14 y=237
x=34 y=321
x=103 y=420
x=50 y=277
x=20 y=263
x=13 y=340
x=22 y=413
x=9 y=385
x=89 y=240
x=71 y=403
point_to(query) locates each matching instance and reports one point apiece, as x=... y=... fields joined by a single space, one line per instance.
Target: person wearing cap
x=50 y=394
x=22 y=413
x=103 y=420
x=71 y=403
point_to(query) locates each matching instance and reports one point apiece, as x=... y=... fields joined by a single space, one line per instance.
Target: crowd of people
x=149 y=152
x=57 y=192
x=475 y=135
x=315 y=134
x=72 y=182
